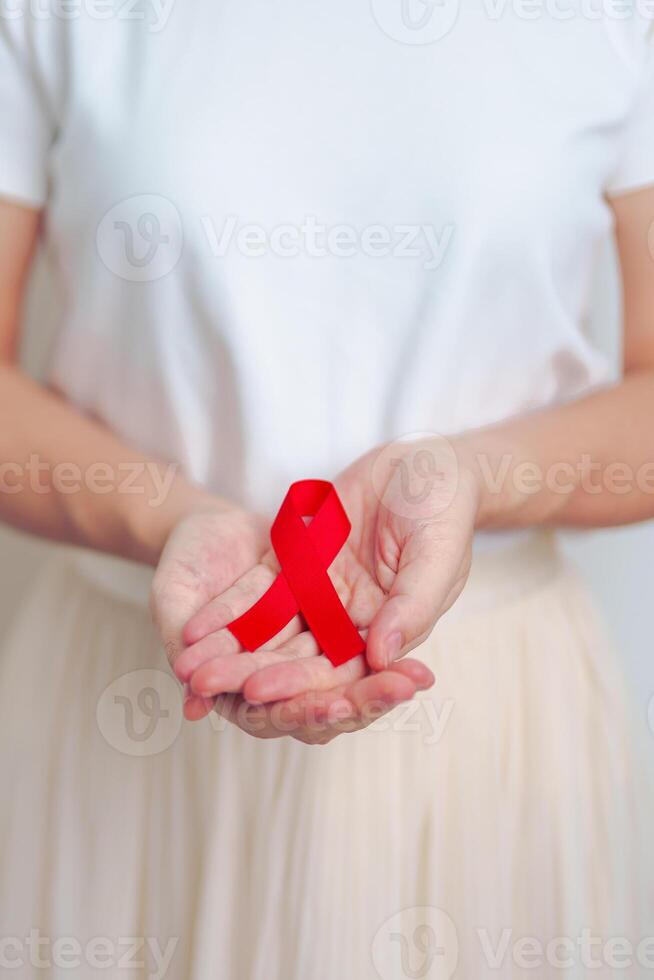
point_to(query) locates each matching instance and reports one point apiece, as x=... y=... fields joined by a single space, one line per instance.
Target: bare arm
x=591 y=462
x=62 y=474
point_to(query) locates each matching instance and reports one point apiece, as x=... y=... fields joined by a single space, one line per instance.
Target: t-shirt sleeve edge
x=631 y=185
x=22 y=184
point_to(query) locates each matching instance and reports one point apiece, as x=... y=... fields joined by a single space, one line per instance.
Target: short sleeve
x=635 y=166
x=29 y=89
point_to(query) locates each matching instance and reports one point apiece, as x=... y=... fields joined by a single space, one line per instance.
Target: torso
x=253 y=369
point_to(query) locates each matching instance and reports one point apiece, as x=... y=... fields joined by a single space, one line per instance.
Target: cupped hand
x=317 y=717
x=207 y=551
x=413 y=508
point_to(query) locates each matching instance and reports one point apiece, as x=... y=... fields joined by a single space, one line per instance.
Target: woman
x=303 y=240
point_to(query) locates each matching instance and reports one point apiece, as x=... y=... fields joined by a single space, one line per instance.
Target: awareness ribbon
x=305 y=552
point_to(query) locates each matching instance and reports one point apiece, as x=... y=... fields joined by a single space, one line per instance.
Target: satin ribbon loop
x=305 y=552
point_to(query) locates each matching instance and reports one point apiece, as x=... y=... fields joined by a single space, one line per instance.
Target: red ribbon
x=303 y=585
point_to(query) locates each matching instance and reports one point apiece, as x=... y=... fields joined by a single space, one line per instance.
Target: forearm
x=589 y=463
x=66 y=477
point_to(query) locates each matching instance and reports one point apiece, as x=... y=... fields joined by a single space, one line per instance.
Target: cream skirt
x=502 y=826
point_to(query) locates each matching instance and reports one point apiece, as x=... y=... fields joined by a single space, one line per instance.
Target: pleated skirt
x=502 y=825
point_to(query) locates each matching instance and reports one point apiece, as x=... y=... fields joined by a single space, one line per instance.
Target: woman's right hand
x=205 y=554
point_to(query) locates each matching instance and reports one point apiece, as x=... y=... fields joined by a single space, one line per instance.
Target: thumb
x=430 y=576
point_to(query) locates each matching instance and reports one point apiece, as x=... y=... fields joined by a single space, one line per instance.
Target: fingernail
x=394 y=646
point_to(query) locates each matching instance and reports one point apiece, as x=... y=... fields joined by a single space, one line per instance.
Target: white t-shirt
x=284 y=232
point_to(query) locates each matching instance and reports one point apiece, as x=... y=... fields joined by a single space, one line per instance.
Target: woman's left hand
x=413 y=508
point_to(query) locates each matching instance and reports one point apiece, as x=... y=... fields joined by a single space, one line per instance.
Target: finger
x=339 y=718
x=259 y=721
x=221 y=644
x=195 y=708
x=318 y=716
x=385 y=690
x=424 y=587
x=416 y=671
x=206 y=634
x=314 y=712
x=287 y=680
x=321 y=716
x=227 y=675
x=311 y=672
x=378 y=693
x=234 y=601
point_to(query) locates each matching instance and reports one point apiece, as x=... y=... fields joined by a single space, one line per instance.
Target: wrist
x=470 y=480
x=445 y=470
x=151 y=521
x=490 y=461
